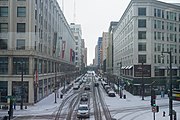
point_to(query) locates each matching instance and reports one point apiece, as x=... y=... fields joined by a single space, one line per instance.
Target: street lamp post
x=170 y=85
x=119 y=91
x=55 y=90
x=142 y=80
x=22 y=85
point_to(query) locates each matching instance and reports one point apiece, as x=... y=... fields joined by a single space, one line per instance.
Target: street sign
x=155 y=108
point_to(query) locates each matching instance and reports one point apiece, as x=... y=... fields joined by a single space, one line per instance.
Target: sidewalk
x=44 y=107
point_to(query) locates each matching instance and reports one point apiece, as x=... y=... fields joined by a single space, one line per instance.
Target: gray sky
x=95 y=17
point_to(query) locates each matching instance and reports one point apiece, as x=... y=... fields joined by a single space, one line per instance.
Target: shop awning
x=130 y=67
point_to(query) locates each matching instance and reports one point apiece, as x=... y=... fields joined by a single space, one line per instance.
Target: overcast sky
x=95 y=17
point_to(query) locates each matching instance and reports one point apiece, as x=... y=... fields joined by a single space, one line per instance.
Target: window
x=3 y=44
x=162 y=36
x=21 y=11
x=159 y=47
x=158 y=12
x=21 y=27
x=155 y=24
x=141 y=58
x=162 y=25
x=20 y=44
x=162 y=13
x=159 y=58
x=159 y=35
x=154 y=58
x=159 y=24
x=3 y=27
x=3 y=65
x=141 y=11
x=154 y=12
x=141 y=46
x=3 y=11
x=17 y=66
x=142 y=23
x=141 y=34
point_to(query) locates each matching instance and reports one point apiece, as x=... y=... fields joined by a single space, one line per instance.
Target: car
x=84 y=98
x=111 y=94
x=75 y=86
x=85 y=94
x=83 y=111
x=96 y=84
x=87 y=87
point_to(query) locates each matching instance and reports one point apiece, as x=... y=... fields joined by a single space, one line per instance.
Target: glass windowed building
x=147 y=28
x=36 y=41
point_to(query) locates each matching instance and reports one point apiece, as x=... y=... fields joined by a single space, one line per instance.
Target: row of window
x=21 y=11
x=172 y=37
x=158 y=24
x=159 y=36
x=21 y=27
x=170 y=15
x=17 y=65
x=159 y=59
x=20 y=44
x=42 y=66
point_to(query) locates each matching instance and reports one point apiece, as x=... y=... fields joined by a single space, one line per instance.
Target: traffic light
x=153 y=98
x=157 y=108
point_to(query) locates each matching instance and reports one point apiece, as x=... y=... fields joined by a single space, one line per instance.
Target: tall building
x=99 y=52
x=36 y=46
x=76 y=29
x=109 y=57
x=147 y=28
x=105 y=38
x=85 y=56
x=96 y=56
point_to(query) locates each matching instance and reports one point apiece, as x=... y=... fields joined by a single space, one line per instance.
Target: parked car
x=76 y=86
x=87 y=87
x=111 y=94
x=83 y=111
x=96 y=84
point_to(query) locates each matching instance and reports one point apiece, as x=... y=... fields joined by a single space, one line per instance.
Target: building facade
x=76 y=29
x=100 y=53
x=36 y=46
x=145 y=30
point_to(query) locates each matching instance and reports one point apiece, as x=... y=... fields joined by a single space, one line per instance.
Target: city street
x=131 y=108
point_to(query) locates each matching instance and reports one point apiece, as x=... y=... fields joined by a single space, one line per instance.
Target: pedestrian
x=164 y=113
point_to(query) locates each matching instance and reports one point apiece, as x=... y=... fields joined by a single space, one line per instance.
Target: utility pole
x=22 y=85
x=55 y=90
x=170 y=85
x=119 y=91
x=142 y=80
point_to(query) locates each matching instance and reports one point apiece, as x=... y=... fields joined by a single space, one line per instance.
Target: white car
x=83 y=111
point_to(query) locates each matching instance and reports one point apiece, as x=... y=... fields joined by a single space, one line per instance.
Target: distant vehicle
x=84 y=98
x=111 y=94
x=85 y=94
x=96 y=84
x=76 y=87
x=83 y=111
x=107 y=87
x=87 y=87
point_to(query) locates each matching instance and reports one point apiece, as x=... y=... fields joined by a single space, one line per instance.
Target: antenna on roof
x=74 y=16
x=63 y=6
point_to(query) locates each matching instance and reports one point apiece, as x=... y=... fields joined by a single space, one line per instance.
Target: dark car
x=96 y=84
